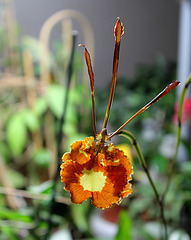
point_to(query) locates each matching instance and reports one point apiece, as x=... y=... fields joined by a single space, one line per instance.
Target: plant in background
x=99 y=166
x=95 y=167
x=28 y=141
x=186 y=111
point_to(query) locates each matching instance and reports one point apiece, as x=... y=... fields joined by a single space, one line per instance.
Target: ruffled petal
x=78 y=195
x=70 y=174
x=106 y=198
x=81 y=150
x=103 y=175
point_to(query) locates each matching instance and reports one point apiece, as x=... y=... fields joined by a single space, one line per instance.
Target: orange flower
x=98 y=170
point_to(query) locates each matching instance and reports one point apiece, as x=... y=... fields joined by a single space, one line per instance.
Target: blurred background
x=151 y=28
x=45 y=105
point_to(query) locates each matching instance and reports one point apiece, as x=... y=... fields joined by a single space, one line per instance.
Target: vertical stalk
x=178 y=134
x=59 y=138
x=142 y=162
x=118 y=32
x=91 y=76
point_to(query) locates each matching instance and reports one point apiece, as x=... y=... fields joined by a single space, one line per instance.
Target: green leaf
x=17 y=179
x=14 y=215
x=71 y=115
x=40 y=106
x=16 y=134
x=75 y=95
x=79 y=215
x=8 y=232
x=125 y=226
x=186 y=167
x=31 y=121
x=42 y=158
x=55 y=99
x=69 y=128
x=4 y=151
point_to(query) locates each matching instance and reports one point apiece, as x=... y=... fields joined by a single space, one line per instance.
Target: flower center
x=93 y=181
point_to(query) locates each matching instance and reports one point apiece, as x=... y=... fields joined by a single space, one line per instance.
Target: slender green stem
x=180 y=111
x=178 y=134
x=142 y=161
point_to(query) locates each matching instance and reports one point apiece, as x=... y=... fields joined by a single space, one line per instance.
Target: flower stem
x=167 y=89
x=178 y=134
x=91 y=76
x=142 y=162
x=180 y=111
x=118 y=32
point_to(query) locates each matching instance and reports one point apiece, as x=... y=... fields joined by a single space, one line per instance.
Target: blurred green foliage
x=133 y=93
x=28 y=165
x=125 y=226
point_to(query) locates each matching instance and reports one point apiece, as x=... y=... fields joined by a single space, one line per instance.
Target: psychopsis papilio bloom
x=95 y=167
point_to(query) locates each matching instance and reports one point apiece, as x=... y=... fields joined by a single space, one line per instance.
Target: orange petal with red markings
x=81 y=150
x=103 y=175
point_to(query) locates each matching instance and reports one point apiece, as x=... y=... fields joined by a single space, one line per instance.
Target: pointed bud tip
x=81 y=45
x=118 y=29
x=176 y=82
